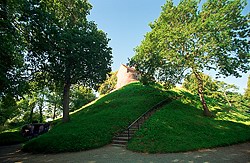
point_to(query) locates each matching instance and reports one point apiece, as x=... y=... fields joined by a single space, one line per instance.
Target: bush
x=10 y=138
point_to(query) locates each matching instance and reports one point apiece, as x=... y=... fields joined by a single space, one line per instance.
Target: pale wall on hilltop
x=126 y=75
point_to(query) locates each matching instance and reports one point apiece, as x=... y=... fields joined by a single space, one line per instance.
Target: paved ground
x=236 y=154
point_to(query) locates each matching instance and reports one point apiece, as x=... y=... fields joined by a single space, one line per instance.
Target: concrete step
x=131 y=131
x=120 y=141
x=119 y=145
x=125 y=135
x=134 y=128
x=121 y=138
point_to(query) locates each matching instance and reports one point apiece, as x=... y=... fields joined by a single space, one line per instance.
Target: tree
x=219 y=90
x=54 y=103
x=64 y=45
x=209 y=85
x=227 y=90
x=187 y=40
x=8 y=108
x=11 y=63
x=109 y=84
x=247 y=91
x=80 y=97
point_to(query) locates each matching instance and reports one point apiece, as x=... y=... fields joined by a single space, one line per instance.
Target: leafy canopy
x=62 y=44
x=11 y=62
x=109 y=84
x=184 y=38
x=247 y=92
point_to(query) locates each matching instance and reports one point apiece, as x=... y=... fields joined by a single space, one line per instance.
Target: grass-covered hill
x=95 y=125
x=180 y=126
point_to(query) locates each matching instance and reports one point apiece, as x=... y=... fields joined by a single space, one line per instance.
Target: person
x=34 y=129
x=46 y=127
x=41 y=129
x=25 y=131
x=31 y=127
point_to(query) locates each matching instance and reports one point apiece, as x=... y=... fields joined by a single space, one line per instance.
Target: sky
x=126 y=23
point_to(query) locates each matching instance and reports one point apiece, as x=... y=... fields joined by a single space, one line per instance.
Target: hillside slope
x=180 y=126
x=95 y=125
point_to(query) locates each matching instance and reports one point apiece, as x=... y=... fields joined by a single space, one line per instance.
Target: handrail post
x=128 y=133
x=147 y=113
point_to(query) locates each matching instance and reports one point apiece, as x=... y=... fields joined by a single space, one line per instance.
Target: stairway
x=122 y=138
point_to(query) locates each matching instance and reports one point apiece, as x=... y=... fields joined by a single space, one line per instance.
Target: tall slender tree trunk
x=41 y=114
x=41 y=109
x=32 y=106
x=225 y=95
x=66 y=101
x=54 y=112
x=206 y=111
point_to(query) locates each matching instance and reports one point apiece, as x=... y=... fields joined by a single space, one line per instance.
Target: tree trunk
x=66 y=102
x=225 y=95
x=41 y=109
x=41 y=114
x=54 y=113
x=31 y=112
x=206 y=111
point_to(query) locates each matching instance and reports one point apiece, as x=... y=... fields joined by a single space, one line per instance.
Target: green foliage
x=63 y=45
x=179 y=127
x=228 y=92
x=80 y=96
x=11 y=137
x=11 y=63
x=95 y=125
x=8 y=109
x=247 y=92
x=54 y=99
x=185 y=39
x=50 y=44
x=176 y=127
x=109 y=84
x=223 y=92
x=209 y=84
x=78 y=52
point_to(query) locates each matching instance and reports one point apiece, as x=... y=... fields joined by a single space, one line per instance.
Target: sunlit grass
x=95 y=125
x=181 y=126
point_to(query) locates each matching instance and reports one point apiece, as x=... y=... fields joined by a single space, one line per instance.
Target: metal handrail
x=143 y=115
x=157 y=106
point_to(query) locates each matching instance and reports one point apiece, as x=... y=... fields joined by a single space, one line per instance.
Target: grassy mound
x=11 y=137
x=95 y=125
x=180 y=126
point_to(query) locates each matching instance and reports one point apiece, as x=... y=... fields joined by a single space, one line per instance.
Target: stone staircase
x=122 y=138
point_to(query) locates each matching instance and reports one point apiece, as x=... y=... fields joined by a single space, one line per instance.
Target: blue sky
x=126 y=23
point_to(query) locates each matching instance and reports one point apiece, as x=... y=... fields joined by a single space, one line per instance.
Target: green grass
x=180 y=126
x=11 y=137
x=95 y=125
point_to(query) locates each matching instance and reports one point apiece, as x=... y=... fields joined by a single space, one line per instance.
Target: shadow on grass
x=180 y=126
x=11 y=138
x=95 y=125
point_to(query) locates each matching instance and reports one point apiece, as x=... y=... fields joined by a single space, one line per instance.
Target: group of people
x=34 y=129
